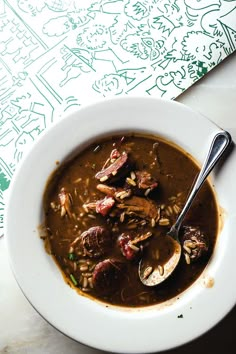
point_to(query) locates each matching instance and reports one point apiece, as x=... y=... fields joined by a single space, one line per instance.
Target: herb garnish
x=71 y=256
x=73 y=279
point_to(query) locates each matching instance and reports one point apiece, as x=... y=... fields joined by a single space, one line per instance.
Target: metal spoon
x=164 y=267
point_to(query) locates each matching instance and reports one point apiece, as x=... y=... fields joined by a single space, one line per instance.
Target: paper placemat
x=57 y=55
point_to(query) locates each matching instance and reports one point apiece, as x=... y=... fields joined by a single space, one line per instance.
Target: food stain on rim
x=207 y=281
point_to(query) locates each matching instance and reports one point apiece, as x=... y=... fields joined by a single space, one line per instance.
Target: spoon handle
x=220 y=143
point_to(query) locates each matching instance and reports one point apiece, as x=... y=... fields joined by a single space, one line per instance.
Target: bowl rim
x=112 y=316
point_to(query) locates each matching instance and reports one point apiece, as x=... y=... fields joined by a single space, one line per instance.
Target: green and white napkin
x=58 y=55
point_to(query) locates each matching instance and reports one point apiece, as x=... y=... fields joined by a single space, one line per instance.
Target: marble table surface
x=22 y=330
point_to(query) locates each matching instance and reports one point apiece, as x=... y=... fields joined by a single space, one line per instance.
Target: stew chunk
x=141 y=183
x=195 y=243
x=117 y=168
x=96 y=241
x=107 y=275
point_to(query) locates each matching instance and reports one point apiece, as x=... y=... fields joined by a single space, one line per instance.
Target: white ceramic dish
x=111 y=328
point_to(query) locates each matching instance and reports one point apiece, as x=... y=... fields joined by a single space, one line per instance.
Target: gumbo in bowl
x=114 y=202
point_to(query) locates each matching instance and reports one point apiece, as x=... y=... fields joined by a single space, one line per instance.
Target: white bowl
x=112 y=328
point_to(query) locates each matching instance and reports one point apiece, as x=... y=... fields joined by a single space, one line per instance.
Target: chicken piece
x=65 y=200
x=133 y=205
x=141 y=207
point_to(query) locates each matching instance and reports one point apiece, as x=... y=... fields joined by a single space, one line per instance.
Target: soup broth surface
x=114 y=202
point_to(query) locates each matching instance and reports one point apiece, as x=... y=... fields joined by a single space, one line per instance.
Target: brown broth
x=175 y=172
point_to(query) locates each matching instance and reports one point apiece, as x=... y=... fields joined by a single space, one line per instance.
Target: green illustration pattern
x=58 y=55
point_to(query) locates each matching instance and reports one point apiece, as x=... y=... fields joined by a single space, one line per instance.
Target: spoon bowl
x=156 y=274
x=153 y=272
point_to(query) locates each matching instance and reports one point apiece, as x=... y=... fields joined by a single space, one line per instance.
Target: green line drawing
x=46 y=99
x=197 y=10
x=120 y=28
x=137 y=10
x=229 y=31
x=29 y=7
x=198 y=45
x=56 y=56
x=230 y=12
x=5 y=65
x=143 y=47
x=22 y=46
x=169 y=17
x=109 y=7
x=8 y=48
x=24 y=121
x=19 y=78
x=73 y=66
x=6 y=137
x=2 y=205
x=24 y=140
x=139 y=83
x=82 y=54
x=108 y=55
x=173 y=80
x=71 y=101
x=4 y=22
x=3 y=80
x=6 y=94
x=47 y=51
x=121 y=82
x=4 y=168
x=4 y=181
x=8 y=112
x=2 y=9
x=142 y=43
x=34 y=34
x=58 y=26
x=205 y=14
x=230 y=34
x=31 y=121
x=93 y=37
x=25 y=103
x=15 y=127
x=48 y=86
x=165 y=24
